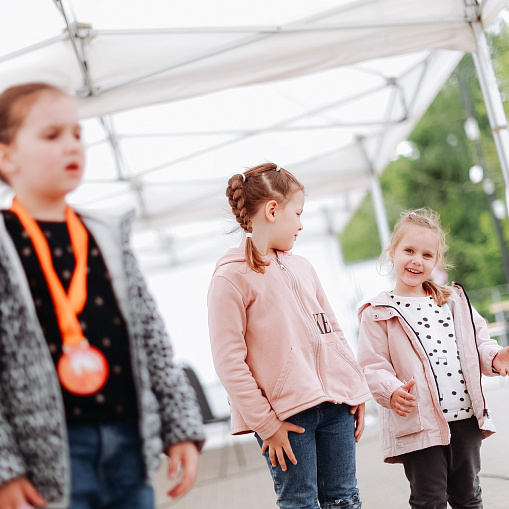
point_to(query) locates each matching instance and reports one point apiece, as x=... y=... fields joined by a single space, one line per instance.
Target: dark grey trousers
x=448 y=473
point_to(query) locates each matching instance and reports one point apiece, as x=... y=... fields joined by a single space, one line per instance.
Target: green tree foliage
x=439 y=179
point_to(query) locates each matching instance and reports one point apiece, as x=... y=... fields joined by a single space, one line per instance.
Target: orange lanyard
x=67 y=305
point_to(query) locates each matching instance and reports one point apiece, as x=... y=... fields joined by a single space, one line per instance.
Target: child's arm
x=501 y=361
x=279 y=445
x=178 y=409
x=20 y=494
x=487 y=347
x=12 y=466
x=227 y=327
x=402 y=402
x=375 y=359
x=182 y=458
x=359 y=412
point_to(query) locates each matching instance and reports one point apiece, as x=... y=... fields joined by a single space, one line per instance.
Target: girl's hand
x=358 y=411
x=501 y=361
x=20 y=494
x=402 y=402
x=182 y=457
x=278 y=444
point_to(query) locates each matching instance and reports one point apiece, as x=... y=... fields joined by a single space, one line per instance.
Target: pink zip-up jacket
x=277 y=346
x=391 y=354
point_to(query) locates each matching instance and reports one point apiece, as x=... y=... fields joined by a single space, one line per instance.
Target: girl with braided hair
x=279 y=351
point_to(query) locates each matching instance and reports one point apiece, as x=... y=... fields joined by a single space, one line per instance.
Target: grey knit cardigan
x=33 y=434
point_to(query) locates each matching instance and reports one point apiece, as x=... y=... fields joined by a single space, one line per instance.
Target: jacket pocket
x=402 y=426
x=347 y=357
x=341 y=375
x=297 y=382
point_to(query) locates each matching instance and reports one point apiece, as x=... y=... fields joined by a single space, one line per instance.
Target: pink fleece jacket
x=391 y=353
x=277 y=346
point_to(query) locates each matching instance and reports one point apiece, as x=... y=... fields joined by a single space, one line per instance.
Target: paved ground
x=382 y=486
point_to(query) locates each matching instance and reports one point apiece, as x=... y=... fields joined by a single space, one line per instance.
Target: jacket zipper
x=485 y=412
x=420 y=342
x=308 y=319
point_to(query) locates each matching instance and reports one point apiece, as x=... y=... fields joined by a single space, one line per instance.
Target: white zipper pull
x=281 y=266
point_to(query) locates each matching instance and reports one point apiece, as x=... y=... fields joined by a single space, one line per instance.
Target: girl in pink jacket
x=279 y=351
x=423 y=348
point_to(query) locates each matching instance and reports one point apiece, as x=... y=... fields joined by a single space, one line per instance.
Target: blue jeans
x=107 y=468
x=325 y=470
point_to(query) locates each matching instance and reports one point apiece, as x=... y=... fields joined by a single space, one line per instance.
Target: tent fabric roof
x=176 y=97
x=128 y=66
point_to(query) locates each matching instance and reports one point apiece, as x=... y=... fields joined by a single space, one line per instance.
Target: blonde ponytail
x=439 y=293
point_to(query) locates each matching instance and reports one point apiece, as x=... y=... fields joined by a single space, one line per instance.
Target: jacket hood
x=238 y=254
x=235 y=254
x=381 y=299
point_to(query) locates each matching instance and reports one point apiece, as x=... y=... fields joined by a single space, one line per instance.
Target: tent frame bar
x=231 y=132
x=34 y=47
x=73 y=35
x=245 y=41
x=248 y=134
x=281 y=29
x=493 y=101
x=382 y=223
x=258 y=34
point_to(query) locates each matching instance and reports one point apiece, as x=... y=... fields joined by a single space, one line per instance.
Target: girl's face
x=46 y=157
x=414 y=259
x=287 y=223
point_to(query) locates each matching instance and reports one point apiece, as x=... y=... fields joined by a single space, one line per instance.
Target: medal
x=82 y=369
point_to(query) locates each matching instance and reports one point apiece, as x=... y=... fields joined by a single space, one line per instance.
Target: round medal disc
x=83 y=370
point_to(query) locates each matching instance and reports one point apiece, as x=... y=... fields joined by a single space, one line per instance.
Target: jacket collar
x=383 y=300
x=238 y=254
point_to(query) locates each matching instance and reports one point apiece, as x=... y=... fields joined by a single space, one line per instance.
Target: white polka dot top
x=435 y=329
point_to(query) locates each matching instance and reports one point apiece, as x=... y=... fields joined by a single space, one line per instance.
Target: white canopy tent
x=176 y=97
x=286 y=82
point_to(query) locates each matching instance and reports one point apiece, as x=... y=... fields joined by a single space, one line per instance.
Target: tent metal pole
x=382 y=223
x=34 y=47
x=493 y=101
x=247 y=134
x=72 y=30
x=293 y=28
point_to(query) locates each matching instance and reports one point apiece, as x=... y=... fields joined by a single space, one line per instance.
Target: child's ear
x=4 y=149
x=270 y=210
x=5 y=161
x=6 y=165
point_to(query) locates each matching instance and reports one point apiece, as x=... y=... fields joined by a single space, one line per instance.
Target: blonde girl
x=279 y=351
x=423 y=347
x=89 y=394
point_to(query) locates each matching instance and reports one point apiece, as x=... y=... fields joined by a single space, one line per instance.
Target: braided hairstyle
x=248 y=191
x=429 y=219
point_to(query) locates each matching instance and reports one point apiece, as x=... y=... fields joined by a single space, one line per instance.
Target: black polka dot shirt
x=100 y=320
